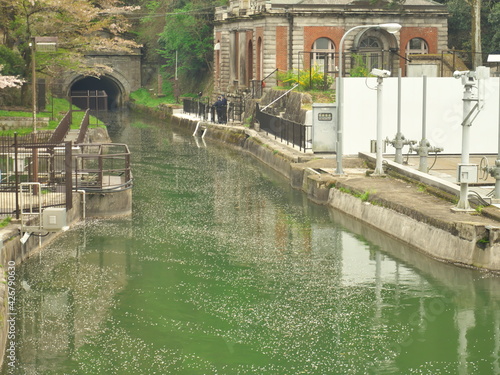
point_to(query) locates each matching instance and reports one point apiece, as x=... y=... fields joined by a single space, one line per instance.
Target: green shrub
x=13 y=63
x=359 y=68
x=307 y=79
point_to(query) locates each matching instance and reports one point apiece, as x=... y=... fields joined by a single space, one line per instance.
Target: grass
x=58 y=108
x=5 y=222
x=365 y=196
x=146 y=98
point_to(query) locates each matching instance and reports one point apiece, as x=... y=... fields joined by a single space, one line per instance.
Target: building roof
x=361 y=3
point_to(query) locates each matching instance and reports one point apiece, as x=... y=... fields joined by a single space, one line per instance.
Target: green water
x=224 y=269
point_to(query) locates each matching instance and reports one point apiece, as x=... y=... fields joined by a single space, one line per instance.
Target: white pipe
x=84 y=205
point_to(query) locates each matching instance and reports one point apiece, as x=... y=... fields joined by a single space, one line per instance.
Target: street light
x=44 y=44
x=391 y=28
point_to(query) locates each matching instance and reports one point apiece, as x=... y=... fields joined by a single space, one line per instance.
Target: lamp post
x=44 y=44
x=391 y=28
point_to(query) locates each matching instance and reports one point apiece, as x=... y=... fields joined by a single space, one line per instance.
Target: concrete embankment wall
x=456 y=243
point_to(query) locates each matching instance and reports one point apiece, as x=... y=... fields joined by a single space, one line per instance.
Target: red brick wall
x=311 y=33
x=281 y=48
x=429 y=34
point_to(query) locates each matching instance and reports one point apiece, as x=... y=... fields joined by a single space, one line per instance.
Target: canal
x=224 y=269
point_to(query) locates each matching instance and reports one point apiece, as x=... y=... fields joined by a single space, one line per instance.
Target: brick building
x=253 y=38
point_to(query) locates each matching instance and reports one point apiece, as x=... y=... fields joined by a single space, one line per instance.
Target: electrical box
x=467 y=173
x=54 y=218
x=324 y=127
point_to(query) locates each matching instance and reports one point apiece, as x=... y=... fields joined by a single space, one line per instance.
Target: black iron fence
x=202 y=108
x=235 y=108
x=285 y=130
x=196 y=106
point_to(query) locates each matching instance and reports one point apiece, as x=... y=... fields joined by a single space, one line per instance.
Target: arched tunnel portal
x=114 y=90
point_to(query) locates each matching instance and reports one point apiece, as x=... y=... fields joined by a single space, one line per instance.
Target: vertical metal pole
x=68 y=172
x=16 y=171
x=423 y=143
x=463 y=203
x=378 y=167
x=398 y=157
x=33 y=78
x=497 y=162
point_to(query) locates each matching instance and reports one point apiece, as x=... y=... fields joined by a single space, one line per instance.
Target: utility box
x=467 y=173
x=324 y=127
x=54 y=218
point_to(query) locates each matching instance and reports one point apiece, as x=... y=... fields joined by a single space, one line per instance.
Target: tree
x=9 y=81
x=477 y=59
x=193 y=46
x=179 y=31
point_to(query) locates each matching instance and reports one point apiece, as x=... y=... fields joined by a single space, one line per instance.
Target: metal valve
x=398 y=143
x=423 y=150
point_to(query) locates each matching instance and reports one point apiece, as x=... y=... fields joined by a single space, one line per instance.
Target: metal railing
x=96 y=100
x=285 y=130
x=102 y=168
x=59 y=169
x=83 y=127
x=62 y=129
x=197 y=107
x=32 y=158
x=202 y=109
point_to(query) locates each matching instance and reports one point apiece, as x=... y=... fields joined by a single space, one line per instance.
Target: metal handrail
x=274 y=101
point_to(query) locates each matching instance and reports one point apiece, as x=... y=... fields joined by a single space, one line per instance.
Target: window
x=370 y=42
x=323 y=55
x=417 y=46
x=370 y=47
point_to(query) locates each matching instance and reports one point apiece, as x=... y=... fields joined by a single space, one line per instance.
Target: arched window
x=370 y=42
x=260 y=73
x=371 y=48
x=417 y=46
x=323 y=55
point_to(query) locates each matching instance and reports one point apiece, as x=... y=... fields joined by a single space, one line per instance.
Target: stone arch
x=115 y=85
x=376 y=46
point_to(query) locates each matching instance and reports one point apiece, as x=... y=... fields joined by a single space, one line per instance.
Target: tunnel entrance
x=103 y=84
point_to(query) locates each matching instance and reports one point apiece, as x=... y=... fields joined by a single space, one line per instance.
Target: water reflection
x=223 y=269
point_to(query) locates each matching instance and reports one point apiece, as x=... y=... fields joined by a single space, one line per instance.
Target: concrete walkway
x=407 y=204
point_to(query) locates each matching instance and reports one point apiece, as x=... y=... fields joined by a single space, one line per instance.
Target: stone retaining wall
x=8 y=123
